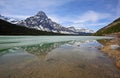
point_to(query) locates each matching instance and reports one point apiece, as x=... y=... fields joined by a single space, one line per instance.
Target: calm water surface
x=54 y=57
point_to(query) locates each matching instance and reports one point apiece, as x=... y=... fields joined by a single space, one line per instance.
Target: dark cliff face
x=112 y=28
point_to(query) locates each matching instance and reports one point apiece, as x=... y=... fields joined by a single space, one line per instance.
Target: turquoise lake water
x=54 y=57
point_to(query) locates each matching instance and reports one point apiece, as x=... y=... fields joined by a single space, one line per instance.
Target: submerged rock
x=114 y=47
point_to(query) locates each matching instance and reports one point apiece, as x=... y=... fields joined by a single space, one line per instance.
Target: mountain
x=79 y=30
x=40 y=21
x=84 y=30
x=8 y=19
x=112 y=28
x=7 y=28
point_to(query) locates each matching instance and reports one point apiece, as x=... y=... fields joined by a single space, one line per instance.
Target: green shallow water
x=54 y=57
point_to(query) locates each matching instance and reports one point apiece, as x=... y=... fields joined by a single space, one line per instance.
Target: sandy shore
x=112 y=48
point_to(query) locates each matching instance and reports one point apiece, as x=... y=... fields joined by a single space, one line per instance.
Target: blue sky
x=92 y=14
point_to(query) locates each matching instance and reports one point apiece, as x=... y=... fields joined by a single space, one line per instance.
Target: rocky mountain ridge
x=40 y=21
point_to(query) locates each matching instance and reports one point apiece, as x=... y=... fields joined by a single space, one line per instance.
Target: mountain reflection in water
x=43 y=49
x=60 y=59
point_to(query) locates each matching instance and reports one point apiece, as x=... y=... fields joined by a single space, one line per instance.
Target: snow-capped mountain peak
x=85 y=30
x=3 y=18
x=40 y=21
x=40 y=13
x=11 y=20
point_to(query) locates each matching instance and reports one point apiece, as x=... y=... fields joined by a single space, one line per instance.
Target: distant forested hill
x=114 y=27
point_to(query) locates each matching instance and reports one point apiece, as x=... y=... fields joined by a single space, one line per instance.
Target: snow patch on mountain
x=11 y=20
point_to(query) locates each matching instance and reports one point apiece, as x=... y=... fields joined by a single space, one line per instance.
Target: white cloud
x=89 y=19
x=54 y=18
x=91 y=16
x=83 y=25
x=60 y=19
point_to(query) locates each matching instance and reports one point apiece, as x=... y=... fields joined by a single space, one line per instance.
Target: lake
x=54 y=57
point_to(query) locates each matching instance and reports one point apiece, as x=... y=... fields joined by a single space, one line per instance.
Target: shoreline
x=112 y=48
